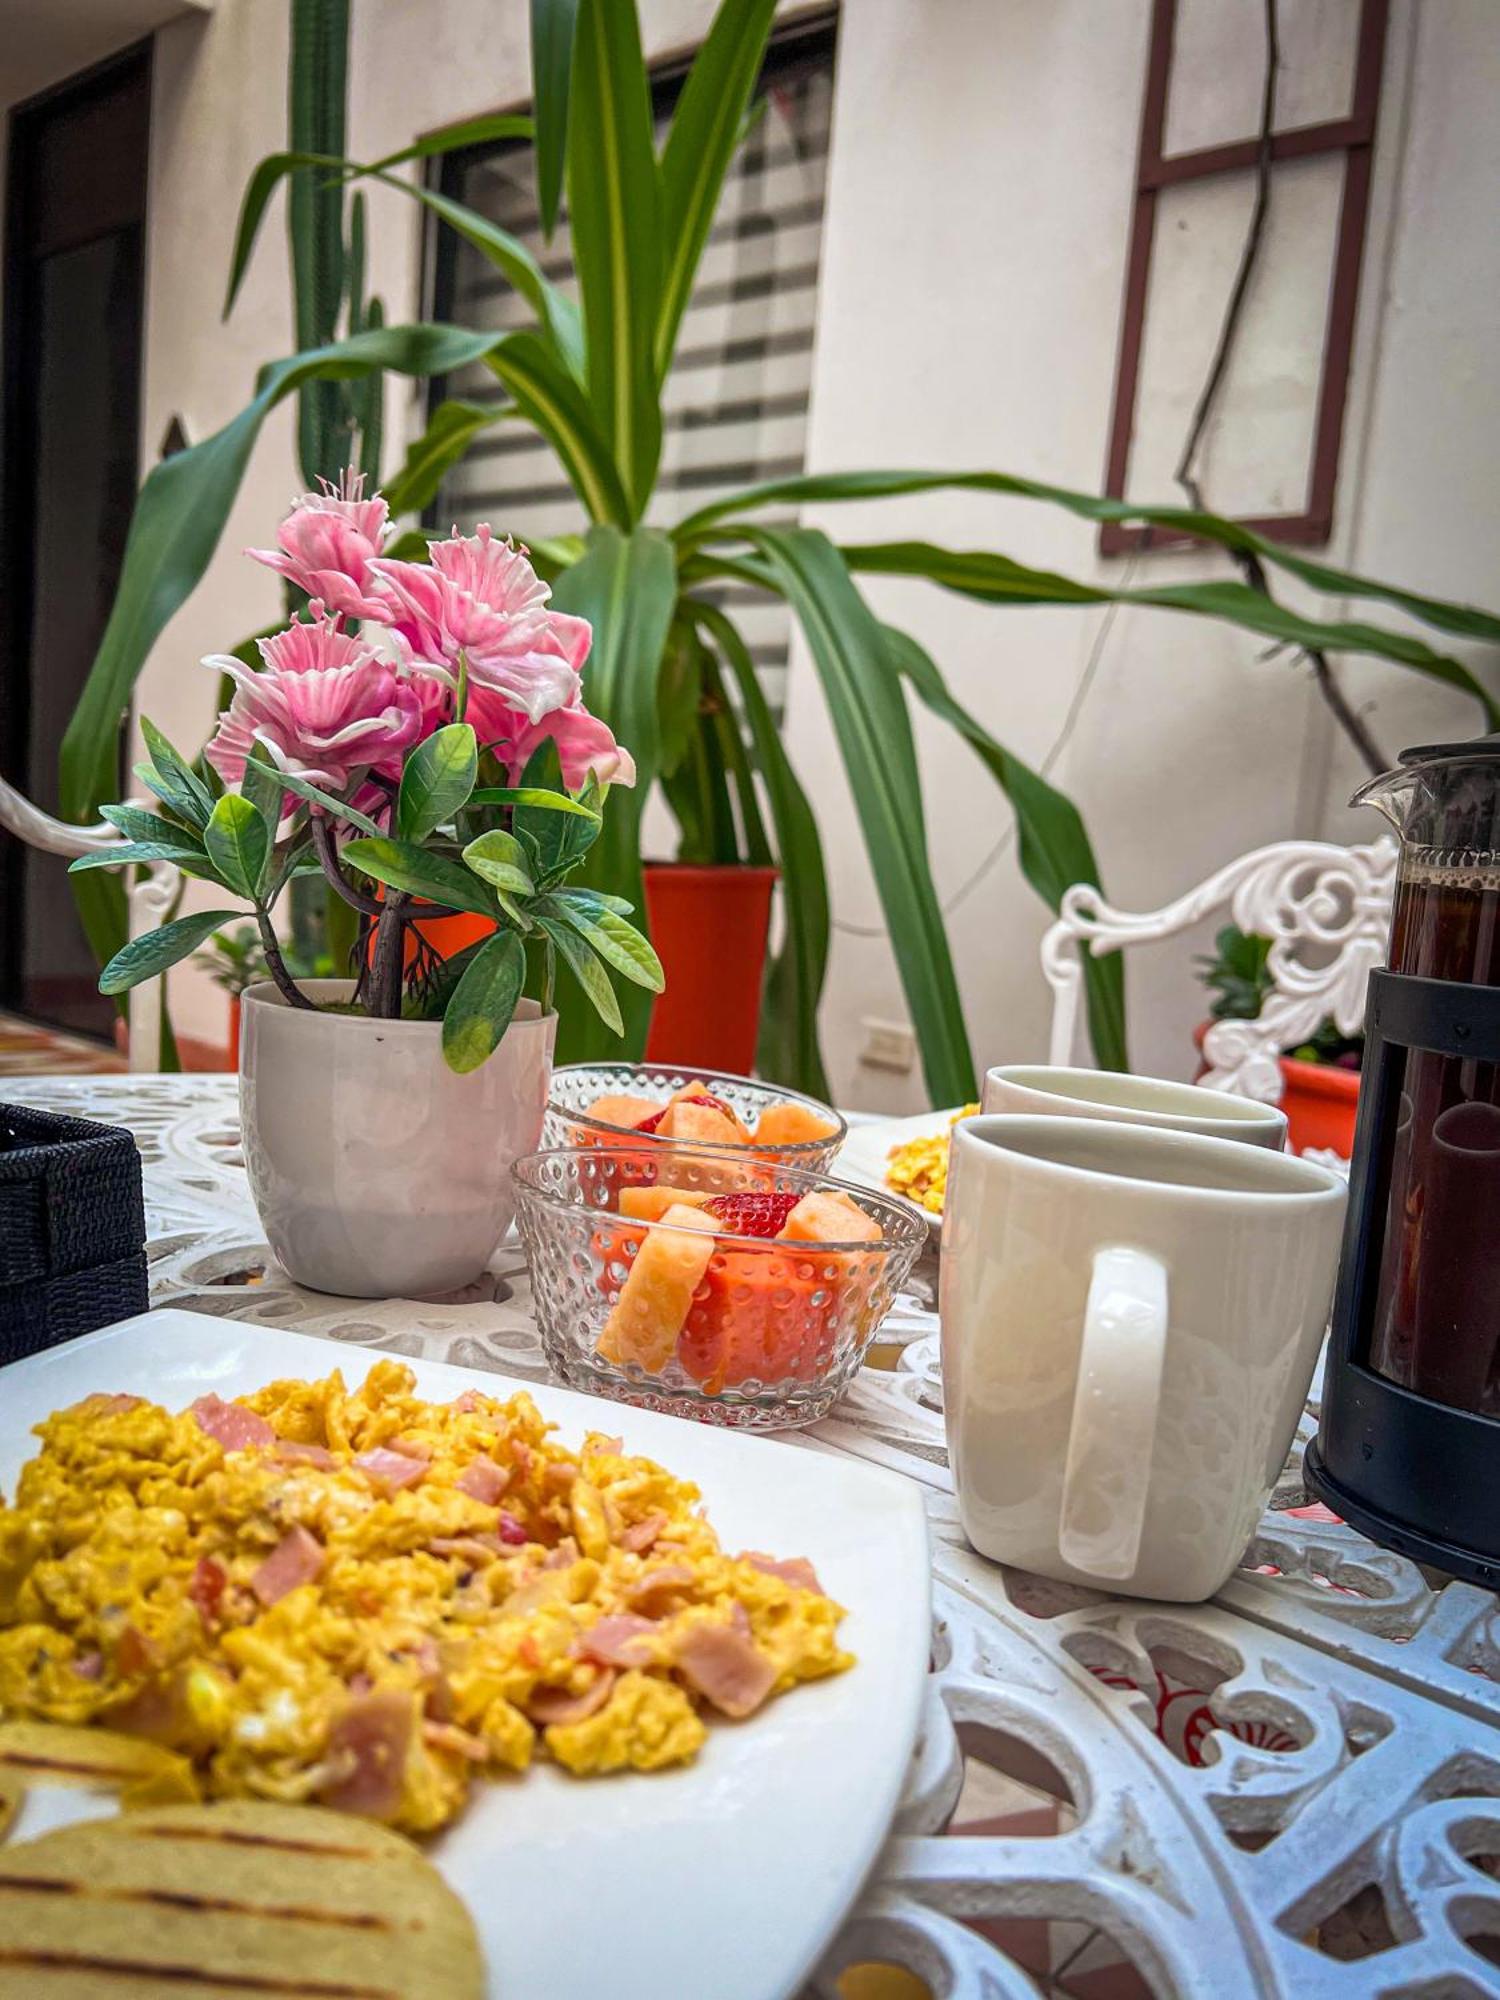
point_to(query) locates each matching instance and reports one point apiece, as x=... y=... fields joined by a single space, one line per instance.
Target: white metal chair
x=1327 y=911
x=149 y=897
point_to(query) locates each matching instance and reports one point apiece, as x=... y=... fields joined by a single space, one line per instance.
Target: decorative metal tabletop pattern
x=1293 y=1789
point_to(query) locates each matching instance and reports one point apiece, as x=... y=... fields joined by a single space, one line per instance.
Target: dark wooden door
x=74 y=293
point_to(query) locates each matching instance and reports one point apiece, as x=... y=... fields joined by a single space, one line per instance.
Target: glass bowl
x=744 y=1330
x=578 y=1085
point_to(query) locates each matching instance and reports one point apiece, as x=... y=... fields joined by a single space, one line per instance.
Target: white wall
x=978 y=219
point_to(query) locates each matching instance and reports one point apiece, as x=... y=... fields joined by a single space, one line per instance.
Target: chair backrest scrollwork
x=1326 y=910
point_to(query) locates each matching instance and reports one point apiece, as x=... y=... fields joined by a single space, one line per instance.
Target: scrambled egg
x=370 y=1598
x=919 y=1169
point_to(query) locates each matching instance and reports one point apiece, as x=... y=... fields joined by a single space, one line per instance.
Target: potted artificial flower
x=419 y=738
x=1319 y=1077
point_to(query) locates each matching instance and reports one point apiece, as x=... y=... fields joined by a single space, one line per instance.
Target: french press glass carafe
x=1408 y=1448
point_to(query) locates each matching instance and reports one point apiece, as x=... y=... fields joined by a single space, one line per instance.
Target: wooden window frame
x=1354 y=137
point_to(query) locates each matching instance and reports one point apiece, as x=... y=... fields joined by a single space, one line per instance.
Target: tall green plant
x=671 y=673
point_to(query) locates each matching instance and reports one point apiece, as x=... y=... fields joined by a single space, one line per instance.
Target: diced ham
x=102 y=1405
x=558 y=1478
x=391 y=1470
x=659 y=1582
x=207 y=1588
x=511 y=1531
x=368 y=1746
x=791 y=1569
x=549 y=1705
x=467 y=1403
x=639 y=1536
x=231 y=1424
x=305 y=1454
x=483 y=1481
x=448 y=1736
x=297 y=1558
x=725 y=1668
x=612 y=1445
x=622 y=1640
x=89 y=1666
x=563 y=1556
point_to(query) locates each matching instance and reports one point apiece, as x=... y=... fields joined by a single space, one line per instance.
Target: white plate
x=729 y=1876
x=866 y=1152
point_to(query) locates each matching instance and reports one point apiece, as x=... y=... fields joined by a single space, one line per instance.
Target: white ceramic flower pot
x=377 y=1172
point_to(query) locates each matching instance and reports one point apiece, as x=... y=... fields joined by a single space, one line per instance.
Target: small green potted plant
x=1320 y=1076
x=419 y=738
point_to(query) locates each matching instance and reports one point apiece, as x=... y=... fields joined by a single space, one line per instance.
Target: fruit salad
x=738 y=1287
x=695 y=1116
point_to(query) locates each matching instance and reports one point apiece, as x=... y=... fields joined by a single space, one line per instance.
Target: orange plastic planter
x=709 y=927
x=1321 y=1104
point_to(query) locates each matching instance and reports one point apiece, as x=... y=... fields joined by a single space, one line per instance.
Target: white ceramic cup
x=1045 y=1090
x=1130 y=1319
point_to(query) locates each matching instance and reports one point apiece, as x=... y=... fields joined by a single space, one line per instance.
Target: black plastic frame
x=1418 y=1475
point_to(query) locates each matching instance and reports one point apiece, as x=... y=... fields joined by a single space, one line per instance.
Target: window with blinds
x=735 y=406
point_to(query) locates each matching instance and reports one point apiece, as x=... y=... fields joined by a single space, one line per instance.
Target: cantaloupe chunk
x=699 y=1125
x=622 y=1110
x=788 y=1124
x=650 y=1204
x=657 y=1296
x=829 y=1216
x=721 y=1104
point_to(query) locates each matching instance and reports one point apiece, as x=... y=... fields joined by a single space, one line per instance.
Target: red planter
x=709 y=927
x=1321 y=1104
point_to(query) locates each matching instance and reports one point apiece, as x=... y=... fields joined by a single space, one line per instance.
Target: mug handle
x=1115 y=1407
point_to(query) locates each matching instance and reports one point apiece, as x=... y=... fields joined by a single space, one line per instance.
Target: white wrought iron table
x=1292 y=1789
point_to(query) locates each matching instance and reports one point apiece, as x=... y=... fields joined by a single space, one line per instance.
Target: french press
x=1408 y=1447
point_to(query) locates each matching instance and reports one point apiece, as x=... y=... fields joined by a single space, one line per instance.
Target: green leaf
x=550 y=399
x=317 y=88
x=614 y=204
x=499 y=859
x=138 y=824
x=874 y=733
x=303 y=788
x=1053 y=844
x=552 y=27
x=617 y=942
x=707 y=127
x=144 y=957
x=534 y=799
x=626 y=586
x=484 y=1002
x=176 y=780
x=436 y=781
x=729 y=735
x=263 y=788
x=237 y=843
x=997 y=579
x=189 y=859
x=1462 y=620
x=451 y=429
x=419 y=872
x=788 y=1051
x=487 y=131
x=589 y=973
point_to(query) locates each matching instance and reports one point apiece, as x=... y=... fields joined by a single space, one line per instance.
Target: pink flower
x=481 y=598
x=327 y=543
x=326 y=706
x=584 y=743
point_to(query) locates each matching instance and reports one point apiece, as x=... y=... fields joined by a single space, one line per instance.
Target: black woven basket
x=72 y=1229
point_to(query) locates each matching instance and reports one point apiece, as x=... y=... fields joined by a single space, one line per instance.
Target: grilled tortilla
x=98 y=1760
x=216 y=1902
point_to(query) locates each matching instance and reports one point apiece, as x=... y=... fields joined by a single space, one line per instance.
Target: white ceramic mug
x=1045 y=1090
x=1130 y=1320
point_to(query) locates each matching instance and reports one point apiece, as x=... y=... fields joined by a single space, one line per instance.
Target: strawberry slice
x=751 y=1213
x=701 y=1097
